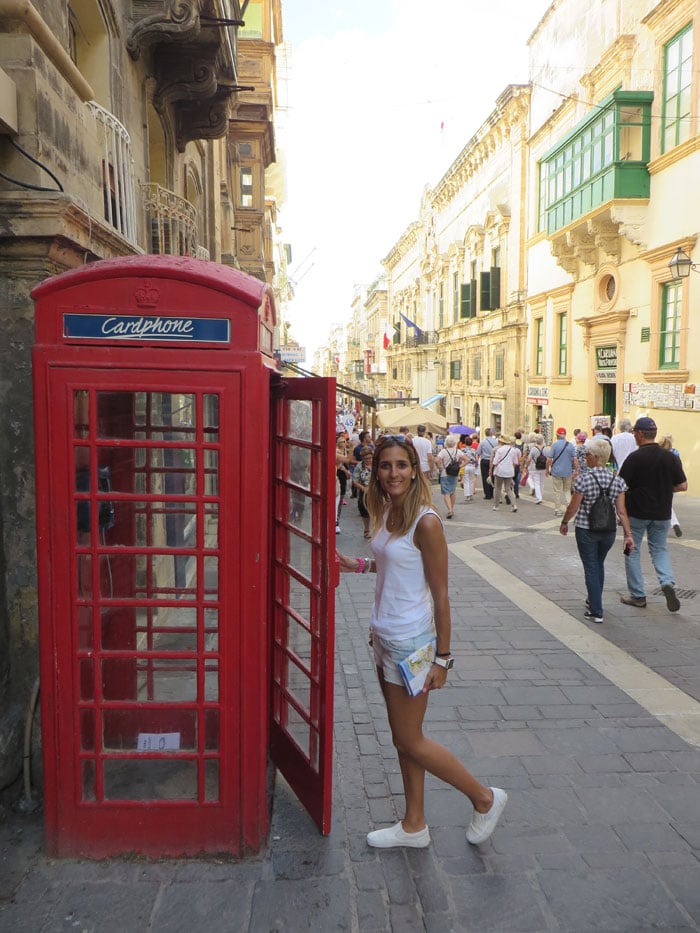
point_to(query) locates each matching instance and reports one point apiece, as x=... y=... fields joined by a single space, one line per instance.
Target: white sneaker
x=483 y=824
x=396 y=836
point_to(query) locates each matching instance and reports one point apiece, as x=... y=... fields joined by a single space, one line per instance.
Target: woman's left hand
x=436 y=679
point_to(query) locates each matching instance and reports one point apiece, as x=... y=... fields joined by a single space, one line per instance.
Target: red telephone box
x=185 y=499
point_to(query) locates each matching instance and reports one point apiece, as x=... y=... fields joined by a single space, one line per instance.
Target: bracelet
x=360 y=565
x=442 y=654
x=368 y=566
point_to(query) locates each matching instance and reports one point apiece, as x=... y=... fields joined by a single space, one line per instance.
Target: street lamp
x=681 y=264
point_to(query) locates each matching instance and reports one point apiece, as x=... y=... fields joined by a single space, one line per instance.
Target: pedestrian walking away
x=412 y=609
x=562 y=466
x=469 y=477
x=535 y=462
x=424 y=449
x=666 y=443
x=593 y=545
x=652 y=476
x=502 y=470
x=623 y=443
x=449 y=462
x=484 y=452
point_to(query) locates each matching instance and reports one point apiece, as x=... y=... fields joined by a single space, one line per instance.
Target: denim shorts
x=387 y=654
x=448 y=484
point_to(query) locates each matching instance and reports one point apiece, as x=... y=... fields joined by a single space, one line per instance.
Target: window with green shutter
x=455 y=369
x=678 y=77
x=563 y=345
x=539 y=346
x=670 y=330
x=468 y=299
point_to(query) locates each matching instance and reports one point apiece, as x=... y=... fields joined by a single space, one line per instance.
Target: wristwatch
x=447 y=663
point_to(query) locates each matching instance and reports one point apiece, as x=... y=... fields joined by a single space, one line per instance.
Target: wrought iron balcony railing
x=424 y=339
x=171 y=223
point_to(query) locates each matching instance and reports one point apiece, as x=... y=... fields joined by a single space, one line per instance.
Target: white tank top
x=402 y=607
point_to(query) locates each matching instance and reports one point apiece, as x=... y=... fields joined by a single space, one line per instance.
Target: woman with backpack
x=449 y=462
x=597 y=495
x=535 y=462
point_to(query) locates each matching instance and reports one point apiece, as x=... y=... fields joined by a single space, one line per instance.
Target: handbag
x=523 y=478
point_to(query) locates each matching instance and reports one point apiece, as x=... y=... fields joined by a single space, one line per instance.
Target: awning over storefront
x=432 y=399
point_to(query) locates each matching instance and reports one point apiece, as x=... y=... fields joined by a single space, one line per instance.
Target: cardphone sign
x=185 y=330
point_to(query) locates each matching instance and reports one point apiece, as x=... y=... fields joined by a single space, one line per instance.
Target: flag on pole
x=387 y=338
x=411 y=323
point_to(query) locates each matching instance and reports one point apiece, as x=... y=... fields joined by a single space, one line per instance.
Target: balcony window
x=455 y=297
x=441 y=306
x=678 y=77
x=117 y=172
x=476 y=368
x=605 y=157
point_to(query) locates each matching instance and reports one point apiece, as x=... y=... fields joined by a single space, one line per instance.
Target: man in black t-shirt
x=652 y=476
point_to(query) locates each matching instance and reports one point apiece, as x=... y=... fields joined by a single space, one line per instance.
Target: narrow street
x=594 y=731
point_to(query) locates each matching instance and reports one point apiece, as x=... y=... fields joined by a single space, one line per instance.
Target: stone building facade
x=123 y=129
x=614 y=151
x=456 y=280
x=535 y=286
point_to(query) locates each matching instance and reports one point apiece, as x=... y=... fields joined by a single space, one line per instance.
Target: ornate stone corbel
x=169 y=21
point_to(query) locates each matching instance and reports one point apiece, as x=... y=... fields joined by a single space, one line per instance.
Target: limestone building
x=456 y=280
x=612 y=197
x=126 y=126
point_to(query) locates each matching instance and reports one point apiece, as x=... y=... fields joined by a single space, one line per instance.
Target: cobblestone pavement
x=594 y=730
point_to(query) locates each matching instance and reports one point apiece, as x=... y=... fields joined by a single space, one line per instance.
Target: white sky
x=383 y=95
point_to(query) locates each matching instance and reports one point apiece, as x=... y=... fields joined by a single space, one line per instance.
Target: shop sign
x=538 y=395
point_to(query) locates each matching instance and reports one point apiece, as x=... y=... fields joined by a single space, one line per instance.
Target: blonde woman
x=412 y=608
x=666 y=443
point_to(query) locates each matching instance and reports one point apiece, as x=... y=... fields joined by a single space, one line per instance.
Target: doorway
x=609 y=400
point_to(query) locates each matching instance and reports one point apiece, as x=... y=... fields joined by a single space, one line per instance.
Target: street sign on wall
x=292 y=354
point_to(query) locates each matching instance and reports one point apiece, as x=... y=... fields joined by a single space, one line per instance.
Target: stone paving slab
x=602 y=829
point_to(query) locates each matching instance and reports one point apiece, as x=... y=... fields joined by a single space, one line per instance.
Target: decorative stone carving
x=197 y=121
x=159 y=21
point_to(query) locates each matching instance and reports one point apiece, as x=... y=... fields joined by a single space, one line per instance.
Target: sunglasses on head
x=401 y=438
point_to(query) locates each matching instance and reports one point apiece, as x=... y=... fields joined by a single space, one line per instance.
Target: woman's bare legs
x=418 y=754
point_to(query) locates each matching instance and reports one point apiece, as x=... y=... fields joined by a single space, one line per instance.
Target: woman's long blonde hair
x=418 y=498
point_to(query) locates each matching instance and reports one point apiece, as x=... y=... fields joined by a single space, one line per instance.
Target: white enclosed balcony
x=117 y=172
